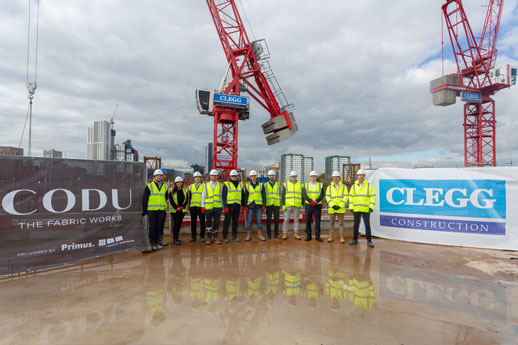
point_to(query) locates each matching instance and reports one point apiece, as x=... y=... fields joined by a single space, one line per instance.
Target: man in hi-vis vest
x=291 y=204
x=232 y=199
x=154 y=203
x=313 y=193
x=272 y=189
x=362 y=200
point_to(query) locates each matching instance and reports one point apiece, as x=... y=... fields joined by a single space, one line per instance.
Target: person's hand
x=314 y=203
x=180 y=208
x=370 y=210
x=263 y=208
x=226 y=209
x=203 y=210
x=144 y=213
x=336 y=207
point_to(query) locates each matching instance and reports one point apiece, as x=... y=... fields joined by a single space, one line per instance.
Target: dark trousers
x=177 y=224
x=156 y=225
x=275 y=211
x=196 y=213
x=366 y=221
x=212 y=218
x=232 y=215
x=315 y=211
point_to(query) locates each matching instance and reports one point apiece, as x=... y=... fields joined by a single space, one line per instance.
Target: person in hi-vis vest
x=195 y=191
x=154 y=203
x=211 y=206
x=232 y=199
x=313 y=192
x=254 y=201
x=362 y=200
x=336 y=198
x=272 y=190
x=291 y=204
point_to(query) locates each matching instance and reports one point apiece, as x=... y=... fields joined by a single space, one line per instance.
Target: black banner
x=55 y=212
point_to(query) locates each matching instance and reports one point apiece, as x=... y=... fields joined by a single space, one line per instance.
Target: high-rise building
x=308 y=166
x=10 y=151
x=99 y=141
x=335 y=163
x=125 y=152
x=208 y=157
x=289 y=162
x=52 y=154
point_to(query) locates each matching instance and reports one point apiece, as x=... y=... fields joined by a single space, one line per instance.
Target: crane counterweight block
x=279 y=129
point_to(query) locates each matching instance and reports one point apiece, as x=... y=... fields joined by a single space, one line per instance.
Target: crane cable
x=32 y=88
x=246 y=17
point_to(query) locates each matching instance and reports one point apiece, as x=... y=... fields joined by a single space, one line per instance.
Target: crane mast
x=250 y=74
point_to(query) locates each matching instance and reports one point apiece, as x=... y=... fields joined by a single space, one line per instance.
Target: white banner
x=470 y=207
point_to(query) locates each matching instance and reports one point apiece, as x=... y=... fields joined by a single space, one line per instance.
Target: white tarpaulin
x=471 y=207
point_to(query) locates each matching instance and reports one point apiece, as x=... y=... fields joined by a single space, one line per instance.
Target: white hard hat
x=214 y=172
x=360 y=172
x=253 y=173
x=197 y=174
x=313 y=173
x=336 y=174
x=178 y=179
x=158 y=172
x=293 y=173
x=233 y=173
x=271 y=172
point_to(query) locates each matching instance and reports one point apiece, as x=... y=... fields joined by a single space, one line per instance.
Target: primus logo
x=456 y=198
x=75 y=246
x=64 y=196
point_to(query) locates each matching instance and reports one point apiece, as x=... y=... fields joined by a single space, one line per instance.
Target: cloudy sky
x=358 y=73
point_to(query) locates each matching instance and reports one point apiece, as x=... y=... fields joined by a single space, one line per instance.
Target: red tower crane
x=476 y=79
x=251 y=73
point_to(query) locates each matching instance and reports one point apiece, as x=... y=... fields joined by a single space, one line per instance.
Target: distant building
x=100 y=141
x=291 y=162
x=52 y=154
x=335 y=163
x=10 y=151
x=198 y=168
x=308 y=166
x=208 y=157
x=125 y=152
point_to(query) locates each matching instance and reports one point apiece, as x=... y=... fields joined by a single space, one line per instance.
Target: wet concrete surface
x=274 y=292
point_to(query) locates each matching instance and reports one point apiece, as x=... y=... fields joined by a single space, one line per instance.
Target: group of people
x=206 y=202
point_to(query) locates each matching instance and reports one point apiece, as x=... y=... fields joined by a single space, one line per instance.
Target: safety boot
x=248 y=235
x=284 y=236
x=296 y=235
x=330 y=238
x=260 y=236
x=342 y=239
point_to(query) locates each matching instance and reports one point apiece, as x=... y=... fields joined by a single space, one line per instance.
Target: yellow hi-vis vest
x=273 y=194
x=293 y=194
x=175 y=198
x=233 y=193
x=157 y=200
x=254 y=194
x=292 y=283
x=313 y=194
x=212 y=196
x=363 y=198
x=196 y=194
x=336 y=196
x=233 y=288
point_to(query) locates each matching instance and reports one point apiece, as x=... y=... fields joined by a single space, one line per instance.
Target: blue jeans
x=258 y=218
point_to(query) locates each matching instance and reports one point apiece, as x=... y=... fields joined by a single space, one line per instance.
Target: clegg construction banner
x=469 y=207
x=59 y=211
